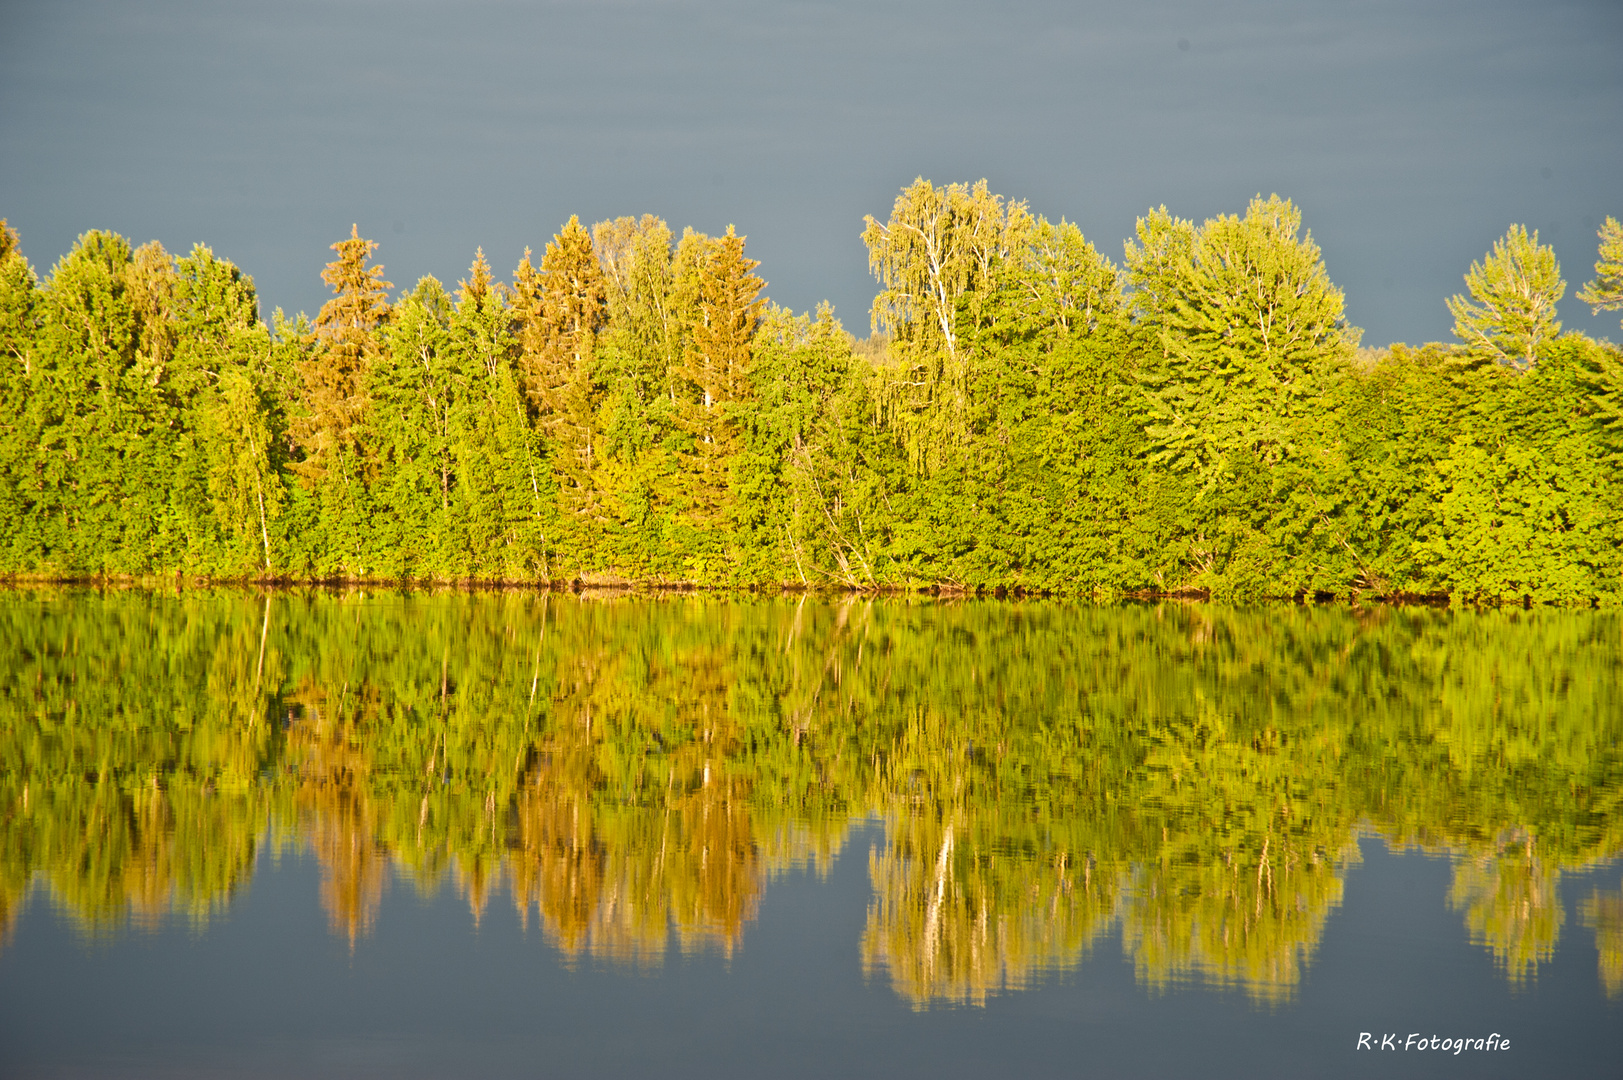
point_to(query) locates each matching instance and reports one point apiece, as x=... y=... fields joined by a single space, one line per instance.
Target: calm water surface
x=439 y=834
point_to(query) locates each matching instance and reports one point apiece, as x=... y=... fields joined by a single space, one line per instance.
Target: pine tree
x=1605 y=292
x=1515 y=288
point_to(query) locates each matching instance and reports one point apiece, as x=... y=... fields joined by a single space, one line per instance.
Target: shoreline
x=590 y=585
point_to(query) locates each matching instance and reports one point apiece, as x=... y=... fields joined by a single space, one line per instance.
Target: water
x=425 y=834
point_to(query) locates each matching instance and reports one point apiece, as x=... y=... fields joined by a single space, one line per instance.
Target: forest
x=1025 y=414
x=631 y=771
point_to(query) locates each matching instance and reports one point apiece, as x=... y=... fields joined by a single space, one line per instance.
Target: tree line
x=632 y=771
x=1026 y=414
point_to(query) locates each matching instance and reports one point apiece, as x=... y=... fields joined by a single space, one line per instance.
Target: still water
x=374 y=833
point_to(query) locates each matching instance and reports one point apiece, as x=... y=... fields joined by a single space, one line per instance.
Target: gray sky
x=1410 y=132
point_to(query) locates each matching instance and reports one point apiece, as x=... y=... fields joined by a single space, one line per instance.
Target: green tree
x=1056 y=474
x=103 y=412
x=234 y=493
x=713 y=386
x=333 y=394
x=934 y=259
x=326 y=427
x=1515 y=289
x=497 y=503
x=795 y=453
x=19 y=295
x=563 y=309
x=641 y=343
x=1239 y=327
x=1524 y=503
x=413 y=389
x=1244 y=315
x=1605 y=292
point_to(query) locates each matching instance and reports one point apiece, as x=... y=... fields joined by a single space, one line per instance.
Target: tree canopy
x=1025 y=415
x=1514 y=291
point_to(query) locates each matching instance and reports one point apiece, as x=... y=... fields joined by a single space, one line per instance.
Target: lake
x=365 y=832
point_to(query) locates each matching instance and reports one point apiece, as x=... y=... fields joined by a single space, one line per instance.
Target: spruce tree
x=332 y=395
x=326 y=426
x=716 y=365
x=413 y=387
x=564 y=307
x=712 y=383
x=496 y=504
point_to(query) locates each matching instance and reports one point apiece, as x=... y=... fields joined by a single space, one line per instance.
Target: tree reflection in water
x=633 y=771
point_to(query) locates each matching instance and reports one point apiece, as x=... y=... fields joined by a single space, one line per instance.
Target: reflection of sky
x=1411 y=135
x=270 y=991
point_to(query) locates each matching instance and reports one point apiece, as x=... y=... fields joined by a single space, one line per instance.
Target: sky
x=1411 y=133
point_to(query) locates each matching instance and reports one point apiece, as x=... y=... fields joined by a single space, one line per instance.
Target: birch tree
x=935 y=258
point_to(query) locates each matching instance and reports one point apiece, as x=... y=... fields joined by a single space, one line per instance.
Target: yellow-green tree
x=935 y=258
x=333 y=390
x=1511 y=904
x=1605 y=292
x=563 y=308
x=1239 y=328
x=1514 y=291
x=712 y=380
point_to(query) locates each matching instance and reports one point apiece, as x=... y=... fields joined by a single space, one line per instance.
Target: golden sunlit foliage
x=1027 y=415
x=634 y=771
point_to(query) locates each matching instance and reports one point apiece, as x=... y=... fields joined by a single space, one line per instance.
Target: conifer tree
x=1605 y=292
x=635 y=354
x=18 y=481
x=496 y=503
x=479 y=342
x=333 y=379
x=716 y=364
x=712 y=381
x=1515 y=289
x=102 y=486
x=412 y=389
x=565 y=307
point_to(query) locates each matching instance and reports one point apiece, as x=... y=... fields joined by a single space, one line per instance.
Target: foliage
x=632 y=408
x=1605 y=292
x=637 y=769
x=1515 y=290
